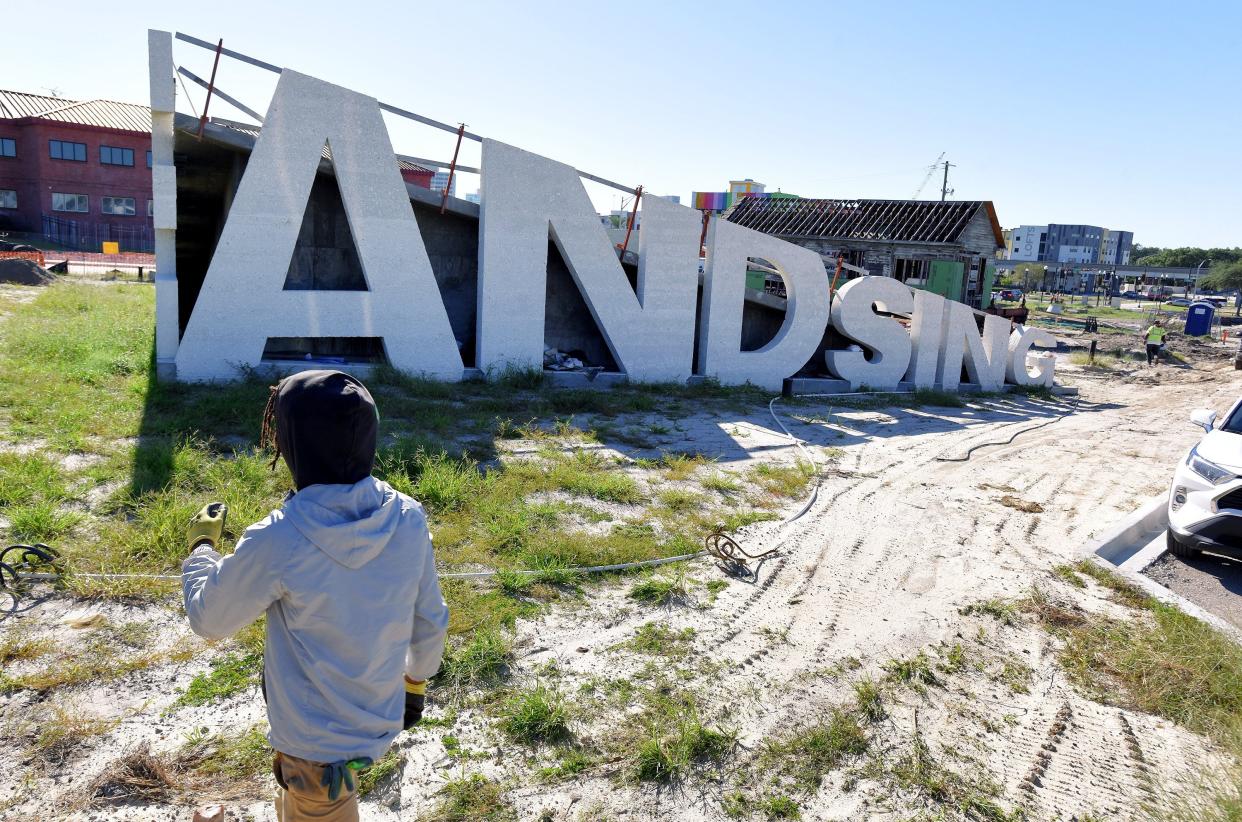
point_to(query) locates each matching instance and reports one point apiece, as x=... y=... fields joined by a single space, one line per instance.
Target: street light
x=1194 y=281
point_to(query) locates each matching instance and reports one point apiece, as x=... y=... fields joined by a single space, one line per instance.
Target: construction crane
x=931 y=169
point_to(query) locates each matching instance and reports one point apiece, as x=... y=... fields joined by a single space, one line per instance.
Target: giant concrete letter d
x=243 y=301
x=724 y=293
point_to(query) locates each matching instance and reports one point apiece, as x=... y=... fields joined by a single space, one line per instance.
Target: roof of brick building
x=18 y=105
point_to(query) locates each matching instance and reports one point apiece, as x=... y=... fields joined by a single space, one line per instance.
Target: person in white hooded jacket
x=345 y=572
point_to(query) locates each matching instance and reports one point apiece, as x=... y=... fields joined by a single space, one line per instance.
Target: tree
x=1226 y=276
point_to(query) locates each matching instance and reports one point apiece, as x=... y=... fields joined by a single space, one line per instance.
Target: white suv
x=1205 y=499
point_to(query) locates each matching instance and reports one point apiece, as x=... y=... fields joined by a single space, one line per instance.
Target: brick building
x=76 y=172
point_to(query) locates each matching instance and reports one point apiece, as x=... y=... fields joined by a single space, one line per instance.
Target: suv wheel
x=1179 y=549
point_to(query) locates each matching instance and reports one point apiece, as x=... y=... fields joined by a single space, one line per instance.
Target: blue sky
x=1125 y=115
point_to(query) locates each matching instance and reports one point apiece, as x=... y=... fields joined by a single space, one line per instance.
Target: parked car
x=1010 y=294
x=1205 y=497
x=1131 y=295
x=1179 y=301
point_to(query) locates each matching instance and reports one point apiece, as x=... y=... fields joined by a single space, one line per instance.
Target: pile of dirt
x=24 y=272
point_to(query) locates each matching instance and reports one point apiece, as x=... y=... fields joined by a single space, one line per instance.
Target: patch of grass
x=722 y=484
x=482 y=659
x=28 y=478
x=1069 y=574
x=918 y=771
x=780 y=806
x=678 y=466
x=42 y=521
x=679 y=500
x=240 y=756
x=535 y=715
x=782 y=480
x=18 y=646
x=473 y=797
x=229 y=675
x=1122 y=591
x=572 y=763
x=1002 y=611
x=806 y=755
x=64 y=731
x=935 y=398
x=388 y=767
x=868 y=697
x=915 y=671
x=660 y=640
x=99 y=661
x=1016 y=676
x=659 y=590
x=737 y=520
x=670 y=749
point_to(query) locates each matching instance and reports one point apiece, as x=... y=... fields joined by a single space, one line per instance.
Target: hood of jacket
x=350 y=523
x=326 y=427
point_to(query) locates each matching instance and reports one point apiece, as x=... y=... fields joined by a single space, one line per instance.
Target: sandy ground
x=898 y=543
x=1211 y=581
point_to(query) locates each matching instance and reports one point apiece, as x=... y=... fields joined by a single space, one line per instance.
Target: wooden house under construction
x=945 y=247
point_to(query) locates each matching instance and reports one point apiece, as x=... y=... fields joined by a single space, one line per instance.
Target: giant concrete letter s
x=242 y=301
x=853 y=316
x=525 y=198
x=724 y=284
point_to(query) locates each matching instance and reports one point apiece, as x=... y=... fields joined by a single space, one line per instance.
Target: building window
x=150 y=206
x=110 y=156
x=148 y=159
x=62 y=150
x=8 y=147
x=121 y=206
x=70 y=202
x=8 y=198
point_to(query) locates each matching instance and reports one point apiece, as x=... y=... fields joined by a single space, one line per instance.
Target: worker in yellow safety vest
x=1154 y=336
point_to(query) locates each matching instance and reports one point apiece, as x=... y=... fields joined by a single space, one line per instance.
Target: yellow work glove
x=415 y=700
x=207 y=526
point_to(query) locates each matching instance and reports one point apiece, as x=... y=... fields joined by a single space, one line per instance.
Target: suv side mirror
x=1205 y=418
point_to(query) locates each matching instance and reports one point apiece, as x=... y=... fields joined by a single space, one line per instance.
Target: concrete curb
x=1136 y=542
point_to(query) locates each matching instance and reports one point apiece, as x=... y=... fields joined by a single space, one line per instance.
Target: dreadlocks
x=267 y=433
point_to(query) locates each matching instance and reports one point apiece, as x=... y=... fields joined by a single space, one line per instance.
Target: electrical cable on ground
x=965 y=457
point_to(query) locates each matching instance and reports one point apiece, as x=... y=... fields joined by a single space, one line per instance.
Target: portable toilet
x=1199 y=319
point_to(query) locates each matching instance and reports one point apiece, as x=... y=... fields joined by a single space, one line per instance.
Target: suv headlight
x=1210 y=471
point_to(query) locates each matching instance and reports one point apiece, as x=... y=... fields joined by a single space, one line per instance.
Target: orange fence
x=34 y=256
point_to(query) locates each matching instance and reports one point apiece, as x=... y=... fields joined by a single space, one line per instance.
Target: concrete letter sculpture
x=853 y=314
x=985 y=358
x=1017 y=369
x=242 y=301
x=525 y=198
x=806 y=312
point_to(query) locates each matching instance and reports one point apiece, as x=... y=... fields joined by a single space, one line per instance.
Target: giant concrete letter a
x=242 y=301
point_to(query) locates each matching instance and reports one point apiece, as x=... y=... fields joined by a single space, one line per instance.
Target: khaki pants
x=301 y=798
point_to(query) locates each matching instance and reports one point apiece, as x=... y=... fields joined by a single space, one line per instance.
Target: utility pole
x=945 y=191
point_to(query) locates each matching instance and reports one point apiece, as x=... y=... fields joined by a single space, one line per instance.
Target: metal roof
x=15 y=105
x=909 y=221
x=254 y=131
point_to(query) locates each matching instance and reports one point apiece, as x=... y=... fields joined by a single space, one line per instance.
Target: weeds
x=474 y=797
x=659 y=590
x=782 y=480
x=388 y=767
x=915 y=671
x=229 y=675
x=63 y=732
x=483 y=659
x=233 y=757
x=807 y=755
x=1003 y=612
x=534 y=716
x=660 y=640
x=1069 y=574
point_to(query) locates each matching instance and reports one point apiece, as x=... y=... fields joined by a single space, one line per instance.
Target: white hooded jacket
x=347 y=577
